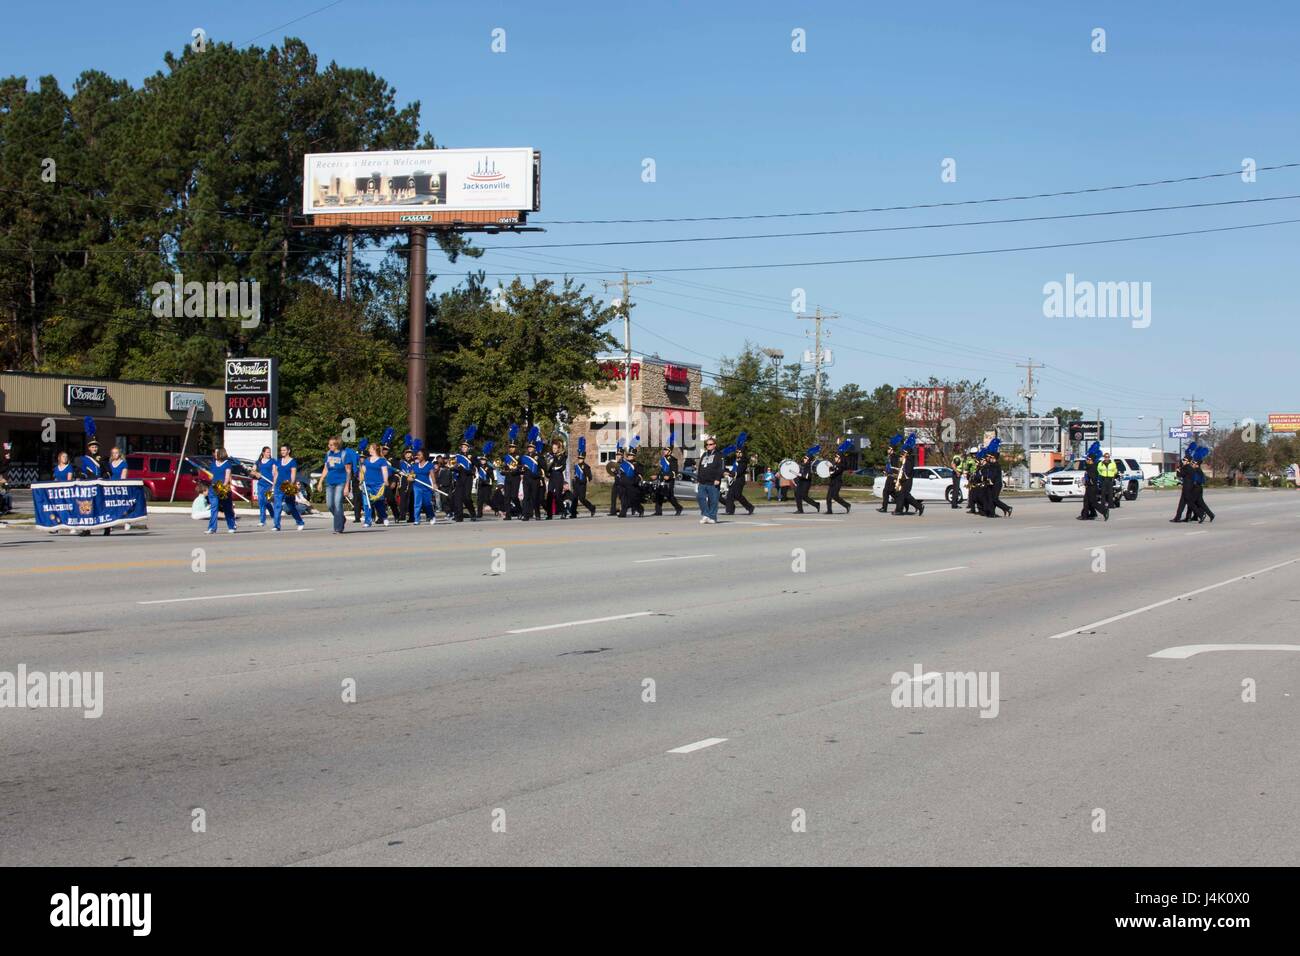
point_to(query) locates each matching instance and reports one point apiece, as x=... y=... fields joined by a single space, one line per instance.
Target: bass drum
x=724 y=486
x=823 y=469
x=788 y=469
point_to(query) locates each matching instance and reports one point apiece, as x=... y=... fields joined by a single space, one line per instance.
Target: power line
x=932 y=205
x=932 y=255
x=907 y=228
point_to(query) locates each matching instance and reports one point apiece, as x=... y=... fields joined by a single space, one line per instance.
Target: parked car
x=928 y=484
x=159 y=471
x=868 y=472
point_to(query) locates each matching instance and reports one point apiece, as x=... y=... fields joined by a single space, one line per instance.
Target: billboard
x=251 y=386
x=1284 y=423
x=1199 y=420
x=418 y=182
x=922 y=405
x=1086 y=431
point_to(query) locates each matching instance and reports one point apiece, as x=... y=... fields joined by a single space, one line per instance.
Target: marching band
x=541 y=485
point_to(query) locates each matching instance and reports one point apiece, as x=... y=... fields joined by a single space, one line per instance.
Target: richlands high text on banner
x=88 y=504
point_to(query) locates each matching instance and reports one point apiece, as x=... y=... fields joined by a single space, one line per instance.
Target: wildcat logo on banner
x=88 y=504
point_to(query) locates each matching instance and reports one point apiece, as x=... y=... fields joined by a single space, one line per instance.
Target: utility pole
x=417 y=363
x=1028 y=393
x=624 y=305
x=1191 y=411
x=817 y=319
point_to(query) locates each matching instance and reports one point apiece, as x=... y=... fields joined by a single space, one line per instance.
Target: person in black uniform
x=891 y=471
x=957 y=464
x=995 y=501
x=666 y=488
x=406 y=489
x=578 y=483
x=739 y=474
x=531 y=480
x=836 y=480
x=486 y=479
x=1185 y=471
x=1093 y=498
x=557 y=465
x=462 y=495
x=1200 y=510
x=631 y=498
x=510 y=462
x=903 y=499
x=444 y=480
x=803 y=484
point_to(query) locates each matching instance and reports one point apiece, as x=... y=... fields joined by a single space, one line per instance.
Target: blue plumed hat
x=513 y=431
x=910 y=443
x=416 y=444
x=1190 y=453
x=895 y=440
x=672 y=435
x=1201 y=453
x=470 y=432
x=619 y=446
x=729 y=450
x=534 y=434
x=582 y=445
x=741 y=439
x=813 y=451
x=406 y=439
x=1094 y=450
x=361 y=445
x=488 y=446
x=387 y=437
x=993 y=447
x=89 y=424
x=636 y=441
x=845 y=445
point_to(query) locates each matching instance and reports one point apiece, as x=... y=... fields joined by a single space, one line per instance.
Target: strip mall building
x=665 y=397
x=134 y=416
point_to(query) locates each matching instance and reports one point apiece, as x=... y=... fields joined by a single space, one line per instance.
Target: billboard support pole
x=416 y=362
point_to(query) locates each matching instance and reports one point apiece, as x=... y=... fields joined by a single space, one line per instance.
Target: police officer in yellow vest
x=1106 y=471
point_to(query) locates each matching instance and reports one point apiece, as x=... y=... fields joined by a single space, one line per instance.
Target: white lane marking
x=677 y=557
x=220 y=597
x=917 y=574
x=1176 y=597
x=1196 y=532
x=919 y=537
x=698 y=745
x=1035 y=527
x=1191 y=650
x=590 y=620
x=1259 y=522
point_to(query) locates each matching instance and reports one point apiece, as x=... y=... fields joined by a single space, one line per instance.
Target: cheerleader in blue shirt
x=286 y=472
x=63 y=470
x=220 y=472
x=116 y=465
x=375 y=479
x=421 y=483
x=265 y=487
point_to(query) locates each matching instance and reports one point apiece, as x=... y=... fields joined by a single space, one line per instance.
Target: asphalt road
x=502 y=712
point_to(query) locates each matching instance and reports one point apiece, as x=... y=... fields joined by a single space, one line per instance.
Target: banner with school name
x=88 y=504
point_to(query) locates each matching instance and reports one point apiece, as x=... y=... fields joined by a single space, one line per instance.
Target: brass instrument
x=611 y=468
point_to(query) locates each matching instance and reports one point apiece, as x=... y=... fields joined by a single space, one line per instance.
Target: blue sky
x=739 y=124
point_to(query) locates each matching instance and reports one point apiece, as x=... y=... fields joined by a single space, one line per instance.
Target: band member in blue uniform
x=462 y=496
x=63 y=468
x=285 y=496
x=486 y=479
x=903 y=500
x=264 y=482
x=666 y=480
x=1200 y=510
x=406 y=492
x=581 y=475
x=995 y=480
x=374 y=475
x=1094 y=499
x=89 y=466
x=220 y=499
x=422 y=485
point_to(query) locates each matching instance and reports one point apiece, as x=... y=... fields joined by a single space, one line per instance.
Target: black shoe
x=751 y=511
x=882 y=510
x=1009 y=510
x=1105 y=516
x=679 y=511
x=920 y=508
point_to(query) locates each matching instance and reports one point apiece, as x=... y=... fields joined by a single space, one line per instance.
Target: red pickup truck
x=158 y=471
